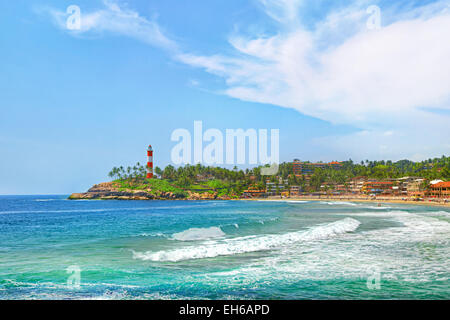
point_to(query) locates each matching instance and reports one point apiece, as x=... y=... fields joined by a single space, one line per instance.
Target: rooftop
x=441 y=185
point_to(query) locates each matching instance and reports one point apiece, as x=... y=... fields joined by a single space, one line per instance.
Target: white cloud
x=117 y=20
x=400 y=68
x=336 y=70
x=283 y=11
x=341 y=72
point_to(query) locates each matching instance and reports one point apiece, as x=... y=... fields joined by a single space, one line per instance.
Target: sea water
x=53 y=248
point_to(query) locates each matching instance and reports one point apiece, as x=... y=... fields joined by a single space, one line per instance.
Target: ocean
x=53 y=248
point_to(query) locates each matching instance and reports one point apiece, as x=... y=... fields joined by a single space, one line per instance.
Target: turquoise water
x=221 y=250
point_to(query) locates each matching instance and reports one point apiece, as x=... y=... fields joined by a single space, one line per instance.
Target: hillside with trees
x=231 y=183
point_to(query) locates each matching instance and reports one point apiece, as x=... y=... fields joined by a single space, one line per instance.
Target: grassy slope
x=154 y=186
x=157 y=187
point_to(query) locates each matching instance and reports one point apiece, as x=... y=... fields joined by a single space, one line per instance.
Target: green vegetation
x=231 y=183
x=152 y=186
x=438 y=168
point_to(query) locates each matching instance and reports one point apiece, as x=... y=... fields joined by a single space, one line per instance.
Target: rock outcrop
x=110 y=191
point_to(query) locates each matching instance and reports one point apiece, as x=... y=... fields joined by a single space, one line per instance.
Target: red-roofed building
x=440 y=190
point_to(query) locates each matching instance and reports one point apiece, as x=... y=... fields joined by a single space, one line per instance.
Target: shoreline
x=349 y=199
x=108 y=191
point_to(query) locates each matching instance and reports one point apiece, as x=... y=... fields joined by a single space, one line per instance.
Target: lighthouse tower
x=150 y=162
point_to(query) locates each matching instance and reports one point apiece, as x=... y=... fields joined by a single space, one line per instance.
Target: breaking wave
x=378 y=208
x=250 y=243
x=195 y=234
x=334 y=203
x=436 y=213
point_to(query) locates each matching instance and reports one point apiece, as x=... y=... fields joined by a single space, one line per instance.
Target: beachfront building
x=356 y=184
x=340 y=189
x=295 y=191
x=273 y=188
x=285 y=194
x=415 y=188
x=378 y=187
x=440 y=190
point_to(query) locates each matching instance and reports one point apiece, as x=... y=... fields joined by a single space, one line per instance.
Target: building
x=273 y=189
x=307 y=168
x=440 y=190
x=356 y=184
x=253 y=192
x=340 y=189
x=415 y=188
x=378 y=187
x=295 y=190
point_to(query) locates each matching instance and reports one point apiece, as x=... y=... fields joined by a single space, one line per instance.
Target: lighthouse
x=150 y=162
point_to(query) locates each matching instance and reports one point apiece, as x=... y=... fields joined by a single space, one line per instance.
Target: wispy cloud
x=115 y=19
x=283 y=11
x=335 y=69
x=342 y=72
x=400 y=68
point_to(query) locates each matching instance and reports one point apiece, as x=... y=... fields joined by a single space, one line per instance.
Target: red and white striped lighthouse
x=150 y=162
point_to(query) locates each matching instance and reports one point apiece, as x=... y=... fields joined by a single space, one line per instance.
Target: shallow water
x=221 y=250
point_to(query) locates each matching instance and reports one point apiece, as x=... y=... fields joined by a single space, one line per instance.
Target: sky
x=335 y=82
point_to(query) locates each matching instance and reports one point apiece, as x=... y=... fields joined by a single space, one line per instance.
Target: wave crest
x=195 y=234
x=250 y=243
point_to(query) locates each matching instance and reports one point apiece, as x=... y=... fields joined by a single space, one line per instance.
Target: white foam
x=417 y=251
x=378 y=208
x=436 y=213
x=283 y=201
x=158 y=234
x=250 y=243
x=343 y=203
x=195 y=234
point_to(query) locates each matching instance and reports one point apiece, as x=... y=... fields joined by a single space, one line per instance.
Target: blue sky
x=75 y=104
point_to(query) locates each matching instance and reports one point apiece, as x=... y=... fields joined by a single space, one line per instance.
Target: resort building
x=378 y=187
x=340 y=189
x=415 y=188
x=356 y=184
x=273 y=189
x=440 y=190
x=295 y=190
x=307 y=168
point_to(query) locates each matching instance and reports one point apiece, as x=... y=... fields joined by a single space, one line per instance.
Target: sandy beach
x=381 y=200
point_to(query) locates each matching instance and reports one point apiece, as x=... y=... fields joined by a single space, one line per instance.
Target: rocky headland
x=113 y=191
